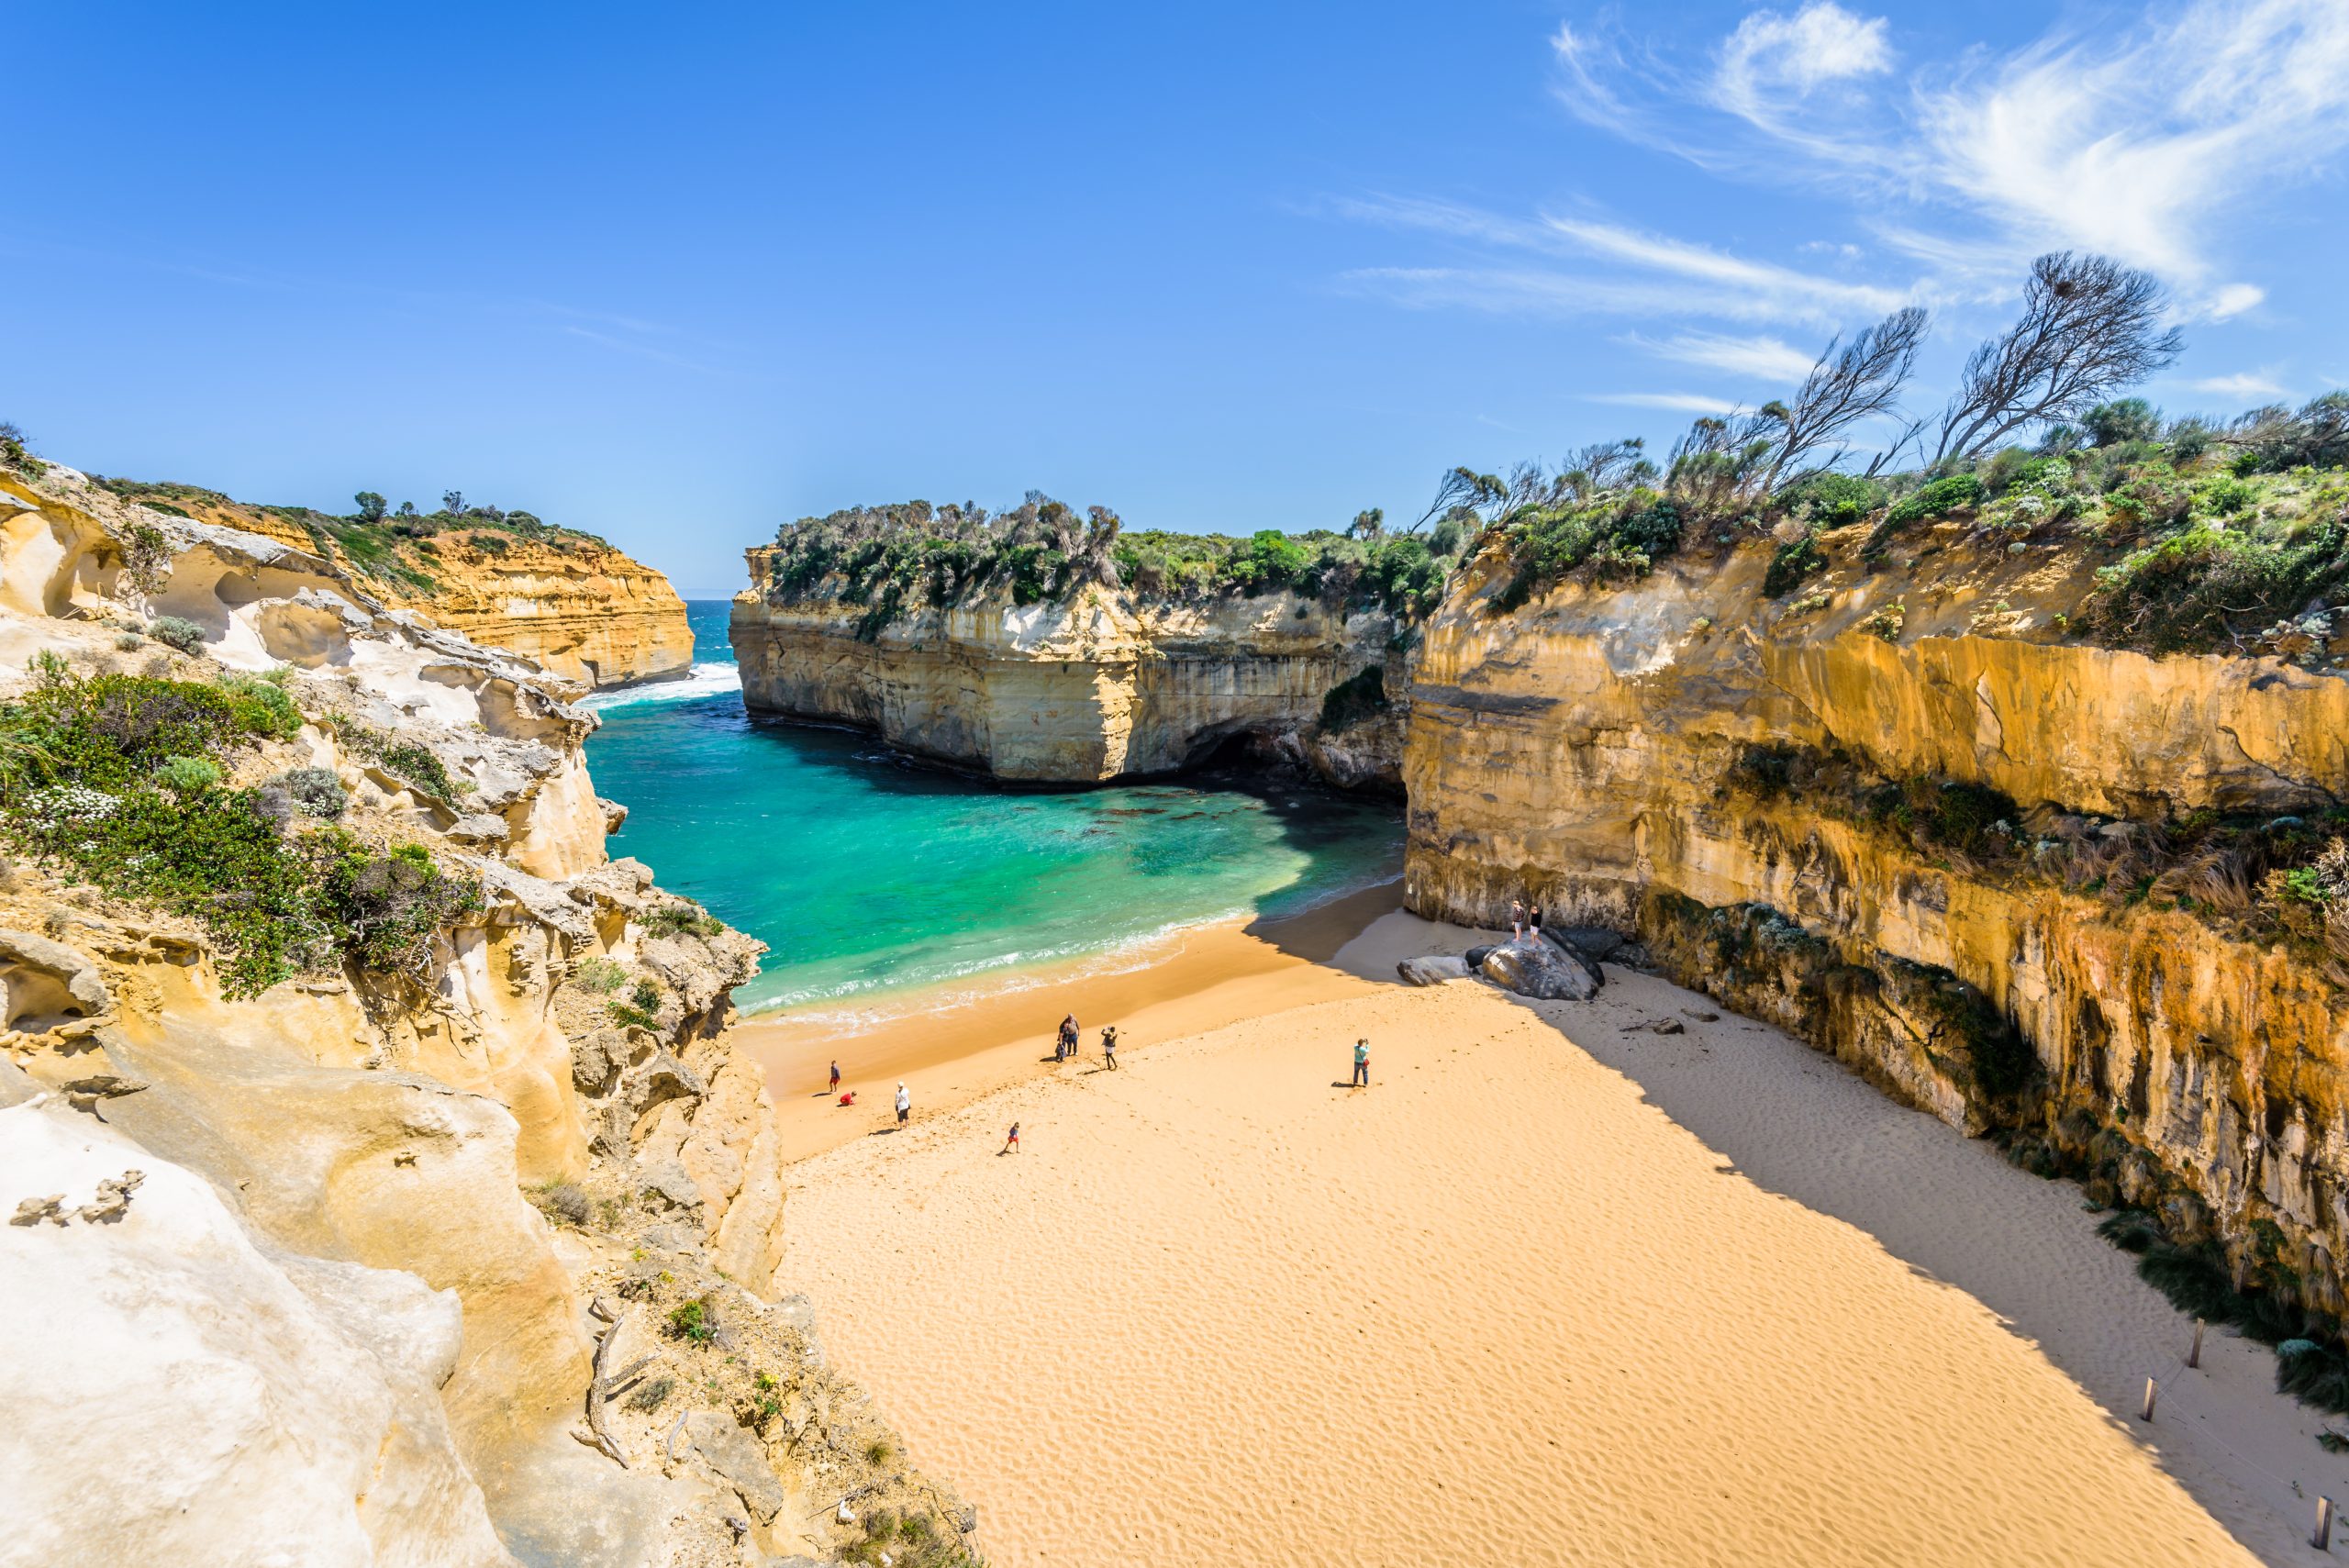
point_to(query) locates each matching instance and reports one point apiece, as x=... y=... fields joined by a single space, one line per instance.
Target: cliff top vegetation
x=400 y=549
x=896 y=560
x=2208 y=534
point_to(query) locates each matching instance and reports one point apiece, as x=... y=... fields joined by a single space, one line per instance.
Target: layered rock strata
x=1107 y=686
x=469 y=1263
x=1598 y=750
x=568 y=602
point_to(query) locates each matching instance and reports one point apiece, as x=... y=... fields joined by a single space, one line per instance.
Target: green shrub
x=315 y=791
x=176 y=631
x=682 y=920
x=600 y=974
x=130 y=642
x=1937 y=499
x=1790 y=565
x=2194 y=591
x=693 y=1322
x=263 y=706
x=187 y=776
x=385 y=911
x=639 y=1011
x=1835 y=500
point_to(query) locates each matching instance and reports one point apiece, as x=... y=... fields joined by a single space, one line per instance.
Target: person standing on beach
x=1109 y=1047
x=1011 y=1144
x=836 y=1077
x=905 y=1104
x=1517 y=919
x=1069 y=1032
x=1361 y=1066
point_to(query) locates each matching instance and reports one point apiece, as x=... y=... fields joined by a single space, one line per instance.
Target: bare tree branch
x=1848 y=383
x=2089 y=327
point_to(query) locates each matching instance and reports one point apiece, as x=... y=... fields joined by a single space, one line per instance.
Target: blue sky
x=677 y=275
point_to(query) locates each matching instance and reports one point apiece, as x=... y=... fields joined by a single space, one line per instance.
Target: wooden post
x=2151 y=1388
x=2323 y=1538
x=2194 y=1356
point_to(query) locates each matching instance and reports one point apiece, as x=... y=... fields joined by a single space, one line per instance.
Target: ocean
x=867 y=874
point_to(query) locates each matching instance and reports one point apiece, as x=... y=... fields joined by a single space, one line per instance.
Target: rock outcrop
x=320 y=1268
x=1110 y=685
x=1906 y=817
x=566 y=600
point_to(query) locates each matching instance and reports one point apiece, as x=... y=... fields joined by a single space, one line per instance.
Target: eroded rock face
x=1104 y=687
x=569 y=603
x=180 y=1391
x=385 y=1197
x=1580 y=751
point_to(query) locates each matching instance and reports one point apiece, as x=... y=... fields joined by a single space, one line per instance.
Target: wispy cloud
x=1623 y=270
x=1765 y=358
x=2243 y=386
x=1677 y=402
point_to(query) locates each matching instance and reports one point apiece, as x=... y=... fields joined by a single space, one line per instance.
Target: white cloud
x=2245 y=386
x=1640 y=272
x=1677 y=402
x=2231 y=299
x=1766 y=359
x=1822 y=42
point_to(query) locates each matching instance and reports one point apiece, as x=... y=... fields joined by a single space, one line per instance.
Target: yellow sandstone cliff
x=468 y=1260
x=565 y=600
x=1109 y=685
x=1788 y=802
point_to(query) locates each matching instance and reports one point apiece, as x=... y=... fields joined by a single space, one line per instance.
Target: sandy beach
x=1557 y=1289
x=951 y=1044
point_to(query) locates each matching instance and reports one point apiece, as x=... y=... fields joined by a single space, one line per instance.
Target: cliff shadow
x=1797 y=1123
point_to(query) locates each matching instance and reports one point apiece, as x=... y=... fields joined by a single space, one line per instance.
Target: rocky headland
x=385 y=1186
x=563 y=599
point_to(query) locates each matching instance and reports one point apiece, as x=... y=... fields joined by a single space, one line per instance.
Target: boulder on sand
x=1432 y=971
x=1543 y=970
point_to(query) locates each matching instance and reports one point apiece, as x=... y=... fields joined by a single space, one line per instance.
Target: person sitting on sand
x=1011 y=1144
x=1361 y=1066
x=849 y=1098
x=905 y=1102
x=1517 y=919
x=836 y=1077
x=1109 y=1047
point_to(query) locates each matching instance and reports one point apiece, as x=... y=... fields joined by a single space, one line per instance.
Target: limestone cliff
x=566 y=600
x=1110 y=684
x=432 y=1223
x=2013 y=878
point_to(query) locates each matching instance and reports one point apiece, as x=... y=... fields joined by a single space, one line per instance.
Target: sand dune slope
x=1494 y=1310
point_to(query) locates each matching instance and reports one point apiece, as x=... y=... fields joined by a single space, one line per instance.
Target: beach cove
x=1557 y=1289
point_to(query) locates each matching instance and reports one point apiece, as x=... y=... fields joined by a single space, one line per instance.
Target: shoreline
x=1704 y=1295
x=958 y=1041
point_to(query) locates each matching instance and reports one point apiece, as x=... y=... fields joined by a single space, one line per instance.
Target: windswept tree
x=1370 y=523
x=1606 y=465
x=371 y=506
x=1848 y=383
x=454 y=503
x=2089 y=327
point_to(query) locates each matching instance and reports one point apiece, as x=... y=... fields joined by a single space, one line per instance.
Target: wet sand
x=950 y=1047
x=1518 y=1303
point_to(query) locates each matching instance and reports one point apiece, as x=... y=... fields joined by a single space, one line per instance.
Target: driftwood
x=599 y=1394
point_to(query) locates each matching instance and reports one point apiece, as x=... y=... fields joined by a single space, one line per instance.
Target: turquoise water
x=865 y=873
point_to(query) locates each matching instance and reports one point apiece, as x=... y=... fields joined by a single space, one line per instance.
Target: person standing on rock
x=1361 y=1066
x=1109 y=1047
x=1517 y=919
x=1533 y=922
x=905 y=1104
